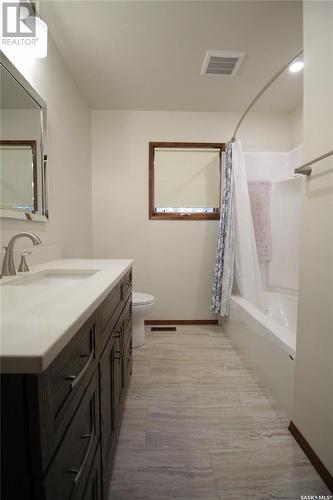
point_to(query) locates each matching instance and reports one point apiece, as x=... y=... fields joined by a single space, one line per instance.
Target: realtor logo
x=18 y=19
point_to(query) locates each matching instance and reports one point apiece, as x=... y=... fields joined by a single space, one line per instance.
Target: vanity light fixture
x=296 y=66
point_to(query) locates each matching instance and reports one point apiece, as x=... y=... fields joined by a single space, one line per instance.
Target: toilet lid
x=140 y=299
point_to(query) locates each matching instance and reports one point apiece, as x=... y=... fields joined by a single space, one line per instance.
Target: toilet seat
x=142 y=299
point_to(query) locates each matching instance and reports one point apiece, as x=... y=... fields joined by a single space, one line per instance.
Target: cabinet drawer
x=73 y=460
x=69 y=370
x=92 y=490
x=110 y=305
x=110 y=382
x=113 y=305
x=127 y=323
x=127 y=284
x=54 y=395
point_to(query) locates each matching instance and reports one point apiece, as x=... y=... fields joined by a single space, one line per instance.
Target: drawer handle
x=117 y=335
x=76 y=378
x=78 y=472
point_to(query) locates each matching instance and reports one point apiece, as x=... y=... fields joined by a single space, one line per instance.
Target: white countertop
x=36 y=326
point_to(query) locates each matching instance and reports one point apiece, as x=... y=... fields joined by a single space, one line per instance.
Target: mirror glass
x=22 y=148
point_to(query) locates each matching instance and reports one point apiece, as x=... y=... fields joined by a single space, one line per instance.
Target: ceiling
x=147 y=55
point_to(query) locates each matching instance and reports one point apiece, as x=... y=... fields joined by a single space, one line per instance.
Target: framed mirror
x=23 y=159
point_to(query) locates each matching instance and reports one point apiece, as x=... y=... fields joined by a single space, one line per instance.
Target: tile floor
x=199 y=425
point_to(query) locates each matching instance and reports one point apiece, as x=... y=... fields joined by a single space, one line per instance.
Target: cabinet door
x=118 y=360
x=127 y=362
x=127 y=348
x=73 y=460
x=110 y=389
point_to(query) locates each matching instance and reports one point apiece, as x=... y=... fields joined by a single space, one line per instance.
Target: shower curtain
x=225 y=254
x=236 y=249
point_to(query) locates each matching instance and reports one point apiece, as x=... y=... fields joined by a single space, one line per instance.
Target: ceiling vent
x=222 y=62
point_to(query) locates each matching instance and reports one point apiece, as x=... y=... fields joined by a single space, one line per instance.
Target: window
x=184 y=180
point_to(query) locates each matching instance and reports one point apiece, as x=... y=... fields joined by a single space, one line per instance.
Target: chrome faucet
x=8 y=267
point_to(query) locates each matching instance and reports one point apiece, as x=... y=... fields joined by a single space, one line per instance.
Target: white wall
x=174 y=260
x=68 y=148
x=313 y=408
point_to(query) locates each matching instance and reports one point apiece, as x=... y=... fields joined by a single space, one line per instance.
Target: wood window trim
x=173 y=215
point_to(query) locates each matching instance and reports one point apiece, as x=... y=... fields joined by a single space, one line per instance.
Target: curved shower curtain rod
x=268 y=84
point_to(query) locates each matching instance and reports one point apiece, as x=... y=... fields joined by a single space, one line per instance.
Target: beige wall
x=174 y=260
x=296 y=127
x=313 y=409
x=68 y=148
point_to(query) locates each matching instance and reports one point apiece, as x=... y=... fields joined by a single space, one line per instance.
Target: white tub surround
x=38 y=319
x=267 y=341
x=280 y=273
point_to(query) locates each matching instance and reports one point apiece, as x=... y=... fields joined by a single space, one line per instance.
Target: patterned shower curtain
x=225 y=255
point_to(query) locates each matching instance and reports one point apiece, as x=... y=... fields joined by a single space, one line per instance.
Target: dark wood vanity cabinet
x=59 y=428
x=114 y=377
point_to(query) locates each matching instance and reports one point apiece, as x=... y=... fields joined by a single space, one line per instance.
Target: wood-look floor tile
x=176 y=474
x=133 y=424
x=214 y=439
x=198 y=424
x=167 y=459
x=218 y=418
x=227 y=381
x=132 y=438
x=279 y=466
x=173 y=377
x=223 y=363
x=125 y=491
x=182 y=394
x=286 y=490
x=176 y=482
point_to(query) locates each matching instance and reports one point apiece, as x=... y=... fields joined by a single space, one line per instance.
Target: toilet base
x=139 y=333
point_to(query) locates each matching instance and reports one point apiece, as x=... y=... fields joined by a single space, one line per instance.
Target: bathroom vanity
x=66 y=360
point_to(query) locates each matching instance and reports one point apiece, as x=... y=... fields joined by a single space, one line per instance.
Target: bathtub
x=267 y=341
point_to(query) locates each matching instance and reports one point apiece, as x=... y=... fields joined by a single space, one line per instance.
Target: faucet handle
x=23 y=267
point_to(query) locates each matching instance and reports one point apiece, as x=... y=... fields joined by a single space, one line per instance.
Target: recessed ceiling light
x=296 y=66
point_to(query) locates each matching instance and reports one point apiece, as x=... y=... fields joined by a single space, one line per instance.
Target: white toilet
x=142 y=304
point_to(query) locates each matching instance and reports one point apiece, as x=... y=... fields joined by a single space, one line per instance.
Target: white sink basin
x=53 y=278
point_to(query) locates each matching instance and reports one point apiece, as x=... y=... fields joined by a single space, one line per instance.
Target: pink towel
x=260 y=199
